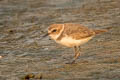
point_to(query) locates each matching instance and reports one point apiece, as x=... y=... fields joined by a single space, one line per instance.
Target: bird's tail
x=102 y=30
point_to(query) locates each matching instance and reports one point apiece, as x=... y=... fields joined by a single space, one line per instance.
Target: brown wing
x=77 y=31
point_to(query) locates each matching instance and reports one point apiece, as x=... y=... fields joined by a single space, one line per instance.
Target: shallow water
x=23 y=53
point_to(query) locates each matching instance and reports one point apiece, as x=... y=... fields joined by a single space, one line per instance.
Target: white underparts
x=70 y=42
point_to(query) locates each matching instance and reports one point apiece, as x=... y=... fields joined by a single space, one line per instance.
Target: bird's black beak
x=45 y=35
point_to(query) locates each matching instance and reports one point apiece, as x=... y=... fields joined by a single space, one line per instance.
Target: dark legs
x=76 y=52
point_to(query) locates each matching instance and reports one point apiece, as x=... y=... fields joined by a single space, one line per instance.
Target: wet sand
x=24 y=55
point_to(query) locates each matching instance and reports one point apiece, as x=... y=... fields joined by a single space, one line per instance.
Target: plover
x=72 y=35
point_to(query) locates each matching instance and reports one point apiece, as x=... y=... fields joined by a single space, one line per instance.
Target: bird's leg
x=75 y=50
x=77 y=53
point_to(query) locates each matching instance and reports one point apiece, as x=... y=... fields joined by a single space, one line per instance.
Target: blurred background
x=24 y=56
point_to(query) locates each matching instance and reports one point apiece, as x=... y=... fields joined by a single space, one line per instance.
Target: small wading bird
x=72 y=35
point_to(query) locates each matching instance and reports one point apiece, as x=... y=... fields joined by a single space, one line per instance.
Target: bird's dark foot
x=72 y=62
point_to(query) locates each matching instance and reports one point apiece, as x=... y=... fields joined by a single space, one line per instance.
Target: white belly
x=70 y=42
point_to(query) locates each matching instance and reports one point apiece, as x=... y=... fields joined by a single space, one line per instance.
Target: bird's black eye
x=54 y=30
